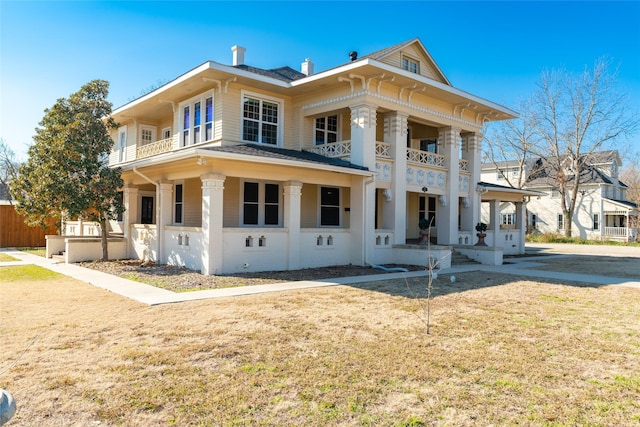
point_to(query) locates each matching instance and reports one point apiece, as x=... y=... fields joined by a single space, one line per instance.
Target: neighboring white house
x=602 y=211
x=234 y=168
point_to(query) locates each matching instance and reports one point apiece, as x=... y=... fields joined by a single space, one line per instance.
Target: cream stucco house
x=234 y=168
x=602 y=210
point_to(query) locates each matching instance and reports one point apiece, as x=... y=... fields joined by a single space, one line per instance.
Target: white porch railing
x=383 y=149
x=464 y=165
x=425 y=158
x=616 y=232
x=158 y=147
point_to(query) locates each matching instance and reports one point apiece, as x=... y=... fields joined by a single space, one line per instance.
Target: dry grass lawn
x=503 y=350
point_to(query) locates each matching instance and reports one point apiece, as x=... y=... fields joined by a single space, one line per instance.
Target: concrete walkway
x=152 y=295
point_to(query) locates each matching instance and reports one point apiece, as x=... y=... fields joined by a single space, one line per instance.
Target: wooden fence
x=15 y=233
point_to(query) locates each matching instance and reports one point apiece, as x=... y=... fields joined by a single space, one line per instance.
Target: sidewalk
x=152 y=295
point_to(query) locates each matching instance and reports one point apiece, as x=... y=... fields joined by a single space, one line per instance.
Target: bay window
x=191 y=120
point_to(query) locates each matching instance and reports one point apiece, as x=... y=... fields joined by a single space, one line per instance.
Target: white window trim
x=340 y=219
x=261 y=204
x=165 y=131
x=176 y=183
x=280 y=125
x=558 y=216
x=122 y=147
x=202 y=99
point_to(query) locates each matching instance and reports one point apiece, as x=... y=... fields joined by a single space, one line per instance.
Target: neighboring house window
x=596 y=221
x=166 y=133
x=534 y=221
x=261 y=204
x=191 y=122
x=178 y=211
x=147 y=135
x=122 y=144
x=515 y=172
x=429 y=145
x=410 y=65
x=261 y=120
x=329 y=207
x=560 y=221
x=501 y=174
x=507 y=219
x=326 y=130
x=427 y=209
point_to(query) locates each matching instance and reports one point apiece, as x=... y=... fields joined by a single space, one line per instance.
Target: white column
x=395 y=211
x=363 y=135
x=212 y=210
x=130 y=215
x=494 y=219
x=521 y=224
x=447 y=216
x=292 y=196
x=164 y=216
x=363 y=153
x=471 y=146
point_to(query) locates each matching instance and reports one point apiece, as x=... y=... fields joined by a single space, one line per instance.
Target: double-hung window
x=178 y=212
x=122 y=144
x=261 y=120
x=191 y=120
x=261 y=204
x=596 y=221
x=329 y=207
x=560 y=221
x=326 y=130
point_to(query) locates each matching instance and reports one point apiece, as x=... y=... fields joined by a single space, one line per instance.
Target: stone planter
x=481 y=237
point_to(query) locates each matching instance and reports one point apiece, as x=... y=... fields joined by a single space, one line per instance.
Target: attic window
x=410 y=65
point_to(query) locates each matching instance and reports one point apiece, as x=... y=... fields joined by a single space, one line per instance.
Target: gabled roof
x=383 y=53
x=624 y=203
x=544 y=171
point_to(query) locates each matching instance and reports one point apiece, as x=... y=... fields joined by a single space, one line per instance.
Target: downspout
x=159 y=231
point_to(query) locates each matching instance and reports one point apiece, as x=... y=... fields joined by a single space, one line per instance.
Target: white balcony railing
x=383 y=149
x=425 y=157
x=158 y=147
x=341 y=150
x=464 y=165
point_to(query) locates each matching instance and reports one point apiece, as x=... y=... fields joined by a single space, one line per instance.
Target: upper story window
x=515 y=172
x=501 y=174
x=429 y=145
x=191 y=112
x=261 y=120
x=326 y=130
x=122 y=144
x=410 y=64
x=166 y=133
x=147 y=135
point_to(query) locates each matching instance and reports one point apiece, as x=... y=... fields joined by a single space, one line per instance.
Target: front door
x=147 y=210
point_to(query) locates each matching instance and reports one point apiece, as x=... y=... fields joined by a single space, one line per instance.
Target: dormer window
x=410 y=64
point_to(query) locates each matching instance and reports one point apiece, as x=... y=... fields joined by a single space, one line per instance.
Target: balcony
x=158 y=147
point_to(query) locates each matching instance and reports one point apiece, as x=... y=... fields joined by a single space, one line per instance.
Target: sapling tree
x=67 y=172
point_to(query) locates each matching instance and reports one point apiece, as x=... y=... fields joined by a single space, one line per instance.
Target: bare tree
x=575 y=116
x=8 y=168
x=512 y=141
x=631 y=177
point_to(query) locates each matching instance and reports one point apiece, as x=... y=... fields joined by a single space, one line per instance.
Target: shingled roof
x=285 y=74
x=269 y=152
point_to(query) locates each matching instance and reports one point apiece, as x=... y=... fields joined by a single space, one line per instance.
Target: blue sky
x=495 y=50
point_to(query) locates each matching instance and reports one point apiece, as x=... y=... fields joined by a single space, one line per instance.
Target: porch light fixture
x=425 y=189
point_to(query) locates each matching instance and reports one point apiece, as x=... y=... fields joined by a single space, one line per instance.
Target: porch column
x=395 y=211
x=494 y=220
x=447 y=216
x=212 y=209
x=292 y=195
x=363 y=135
x=363 y=153
x=131 y=215
x=471 y=152
x=521 y=224
x=164 y=215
